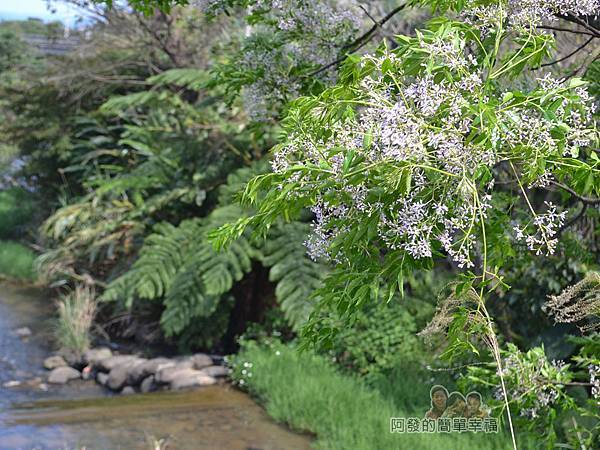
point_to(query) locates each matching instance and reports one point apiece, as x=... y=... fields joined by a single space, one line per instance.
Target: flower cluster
x=532 y=129
x=322 y=26
x=530 y=13
x=525 y=15
x=285 y=38
x=270 y=66
x=245 y=373
x=398 y=124
x=422 y=129
x=324 y=232
x=545 y=225
x=532 y=381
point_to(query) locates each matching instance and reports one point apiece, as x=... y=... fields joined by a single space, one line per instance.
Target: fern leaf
x=296 y=275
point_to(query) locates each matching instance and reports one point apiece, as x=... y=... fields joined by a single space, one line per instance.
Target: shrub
x=16 y=209
x=382 y=337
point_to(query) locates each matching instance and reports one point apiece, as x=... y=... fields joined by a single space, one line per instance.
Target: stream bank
x=35 y=414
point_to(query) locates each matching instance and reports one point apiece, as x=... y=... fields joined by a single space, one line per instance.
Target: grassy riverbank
x=16 y=210
x=16 y=261
x=306 y=392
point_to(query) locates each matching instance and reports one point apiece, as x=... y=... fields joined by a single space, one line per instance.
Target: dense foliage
x=425 y=166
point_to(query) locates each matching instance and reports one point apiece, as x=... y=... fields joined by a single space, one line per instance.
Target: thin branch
x=587 y=200
x=582 y=70
x=164 y=45
x=578 y=21
x=567 y=30
x=377 y=25
x=367 y=13
x=361 y=41
x=577 y=50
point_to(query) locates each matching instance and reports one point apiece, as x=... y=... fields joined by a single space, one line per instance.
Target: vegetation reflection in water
x=215 y=417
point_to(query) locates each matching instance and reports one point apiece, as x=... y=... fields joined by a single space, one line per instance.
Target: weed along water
x=34 y=414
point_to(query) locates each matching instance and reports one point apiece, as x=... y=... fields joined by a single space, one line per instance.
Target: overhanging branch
x=361 y=41
x=587 y=200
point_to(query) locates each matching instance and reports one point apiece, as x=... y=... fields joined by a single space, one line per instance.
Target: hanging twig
x=361 y=41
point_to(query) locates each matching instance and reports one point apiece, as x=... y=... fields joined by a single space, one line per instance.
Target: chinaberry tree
x=405 y=158
x=470 y=141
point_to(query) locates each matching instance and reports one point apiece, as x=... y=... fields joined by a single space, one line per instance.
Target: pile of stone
x=129 y=374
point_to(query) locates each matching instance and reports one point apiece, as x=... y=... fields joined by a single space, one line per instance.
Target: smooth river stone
x=62 y=375
x=95 y=355
x=52 y=362
x=191 y=378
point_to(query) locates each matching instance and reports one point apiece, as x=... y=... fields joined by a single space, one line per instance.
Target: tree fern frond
x=186 y=301
x=296 y=275
x=194 y=79
x=121 y=103
x=160 y=259
x=179 y=264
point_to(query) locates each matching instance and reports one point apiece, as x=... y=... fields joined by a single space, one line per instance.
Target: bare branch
x=567 y=30
x=587 y=200
x=367 y=13
x=573 y=19
x=361 y=41
x=577 y=50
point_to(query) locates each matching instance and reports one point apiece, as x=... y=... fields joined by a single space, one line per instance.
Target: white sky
x=21 y=9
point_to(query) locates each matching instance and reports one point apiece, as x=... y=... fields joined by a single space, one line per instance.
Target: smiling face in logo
x=439 y=399
x=473 y=403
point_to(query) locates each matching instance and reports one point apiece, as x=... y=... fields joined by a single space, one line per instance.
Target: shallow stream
x=79 y=415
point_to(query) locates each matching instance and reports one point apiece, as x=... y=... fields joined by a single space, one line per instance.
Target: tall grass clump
x=306 y=392
x=76 y=311
x=16 y=261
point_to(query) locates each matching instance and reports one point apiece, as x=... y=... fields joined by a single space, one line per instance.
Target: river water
x=83 y=415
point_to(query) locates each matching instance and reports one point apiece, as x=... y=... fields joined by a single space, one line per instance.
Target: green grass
x=16 y=261
x=307 y=393
x=16 y=210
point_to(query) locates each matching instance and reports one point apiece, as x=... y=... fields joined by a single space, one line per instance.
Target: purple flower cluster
x=532 y=381
x=291 y=34
x=420 y=131
x=525 y=15
x=545 y=227
x=530 y=13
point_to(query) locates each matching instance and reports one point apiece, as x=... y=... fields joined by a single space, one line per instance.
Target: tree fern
x=296 y=275
x=157 y=265
x=192 y=79
x=179 y=265
x=189 y=78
